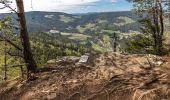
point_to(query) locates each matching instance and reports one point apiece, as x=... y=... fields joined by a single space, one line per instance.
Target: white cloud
x=58 y=5
x=113 y=1
x=72 y=2
x=54 y=5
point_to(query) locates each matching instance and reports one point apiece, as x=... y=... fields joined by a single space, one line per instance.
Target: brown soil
x=108 y=76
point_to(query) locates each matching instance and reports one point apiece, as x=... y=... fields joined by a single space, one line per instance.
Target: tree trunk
x=28 y=57
x=161 y=26
x=158 y=22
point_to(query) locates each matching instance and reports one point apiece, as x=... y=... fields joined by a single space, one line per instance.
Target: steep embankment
x=108 y=76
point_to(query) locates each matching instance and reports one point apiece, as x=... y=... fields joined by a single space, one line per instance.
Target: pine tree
x=152 y=14
x=26 y=49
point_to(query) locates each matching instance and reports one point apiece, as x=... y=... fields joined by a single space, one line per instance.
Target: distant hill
x=80 y=23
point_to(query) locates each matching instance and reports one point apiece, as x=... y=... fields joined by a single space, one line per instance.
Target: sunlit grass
x=76 y=36
x=126 y=20
x=66 y=19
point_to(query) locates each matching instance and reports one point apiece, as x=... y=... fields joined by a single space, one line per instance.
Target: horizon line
x=71 y=13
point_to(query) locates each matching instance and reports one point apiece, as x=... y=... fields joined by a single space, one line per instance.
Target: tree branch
x=11 y=9
x=14 y=55
x=3 y=7
x=11 y=43
x=6 y=5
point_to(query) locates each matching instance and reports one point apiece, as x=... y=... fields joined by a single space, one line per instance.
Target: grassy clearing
x=78 y=17
x=126 y=20
x=107 y=31
x=76 y=36
x=66 y=19
x=80 y=29
x=90 y=26
x=100 y=21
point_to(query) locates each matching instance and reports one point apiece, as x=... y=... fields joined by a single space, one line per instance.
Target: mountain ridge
x=38 y=21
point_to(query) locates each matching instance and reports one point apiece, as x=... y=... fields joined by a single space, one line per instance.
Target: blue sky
x=75 y=6
x=102 y=6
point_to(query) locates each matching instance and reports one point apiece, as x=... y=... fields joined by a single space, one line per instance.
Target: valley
x=85 y=56
x=55 y=34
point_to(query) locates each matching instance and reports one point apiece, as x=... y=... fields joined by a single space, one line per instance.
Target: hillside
x=51 y=46
x=55 y=34
x=46 y=47
x=114 y=76
x=113 y=21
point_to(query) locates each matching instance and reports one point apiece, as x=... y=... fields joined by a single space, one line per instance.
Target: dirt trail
x=109 y=76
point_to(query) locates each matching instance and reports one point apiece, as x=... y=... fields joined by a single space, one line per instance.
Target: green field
x=76 y=36
x=66 y=19
x=126 y=20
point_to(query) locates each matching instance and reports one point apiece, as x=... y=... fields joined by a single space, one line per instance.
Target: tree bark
x=28 y=56
x=161 y=26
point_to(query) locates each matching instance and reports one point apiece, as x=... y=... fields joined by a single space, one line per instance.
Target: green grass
x=101 y=46
x=66 y=19
x=66 y=34
x=90 y=26
x=80 y=29
x=106 y=39
x=100 y=21
x=76 y=36
x=126 y=19
x=78 y=17
x=107 y=31
x=98 y=47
